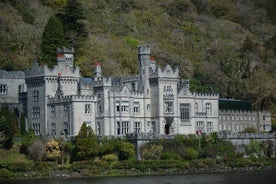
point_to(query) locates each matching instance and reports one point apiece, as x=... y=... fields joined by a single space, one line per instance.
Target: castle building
x=237 y=116
x=58 y=100
x=12 y=84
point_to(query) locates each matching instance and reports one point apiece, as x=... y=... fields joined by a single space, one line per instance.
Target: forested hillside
x=226 y=46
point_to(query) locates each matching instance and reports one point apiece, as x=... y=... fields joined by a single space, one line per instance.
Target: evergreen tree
x=72 y=17
x=86 y=143
x=22 y=124
x=53 y=37
x=8 y=127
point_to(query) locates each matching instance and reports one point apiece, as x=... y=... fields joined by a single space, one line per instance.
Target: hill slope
x=220 y=45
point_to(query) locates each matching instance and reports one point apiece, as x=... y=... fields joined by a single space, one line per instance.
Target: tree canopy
x=86 y=143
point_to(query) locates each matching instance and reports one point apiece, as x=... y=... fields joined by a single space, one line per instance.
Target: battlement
x=58 y=70
x=166 y=72
x=12 y=74
x=70 y=98
x=205 y=94
x=102 y=82
x=143 y=50
x=66 y=50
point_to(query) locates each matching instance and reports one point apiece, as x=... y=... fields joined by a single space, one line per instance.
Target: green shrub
x=191 y=153
x=170 y=156
x=5 y=173
x=110 y=158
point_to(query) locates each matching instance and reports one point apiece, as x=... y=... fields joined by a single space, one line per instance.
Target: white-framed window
x=185 y=109
x=36 y=127
x=35 y=96
x=137 y=127
x=65 y=109
x=168 y=89
x=208 y=108
x=65 y=128
x=122 y=127
x=117 y=106
x=21 y=88
x=136 y=106
x=53 y=129
x=124 y=106
x=3 y=89
x=168 y=107
x=200 y=126
x=87 y=109
x=36 y=112
x=98 y=128
x=148 y=107
x=209 y=127
x=196 y=107
x=53 y=111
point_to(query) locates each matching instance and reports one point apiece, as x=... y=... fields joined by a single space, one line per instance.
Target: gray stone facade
x=12 y=85
x=155 y=101
x=238 y=121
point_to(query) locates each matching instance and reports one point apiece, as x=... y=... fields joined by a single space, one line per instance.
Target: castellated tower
x=65 y=56
x=97 y=71
x=144 y=61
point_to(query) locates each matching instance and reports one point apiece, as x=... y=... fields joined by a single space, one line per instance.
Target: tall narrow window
x=65 y=128
x=53 y=129
x=208 y=108
x=21 y=88
x=118 y=127
x=125 y=127
x=209 y=127
x=118 y=106
x=125 y=105
x=98 y=128
x=3 y=89
x=168 y=107
x=136 y=107
x=36 y=128
x=87 y=109
x=200 y=126
x=185 y=109
x=53 y=111
x=36 y=112
x=35 y=96
x=137 y=127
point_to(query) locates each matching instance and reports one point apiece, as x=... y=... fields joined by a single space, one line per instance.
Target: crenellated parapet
x=102 y=82
x=206 y=95
x=12 y=74
x=58 y=70
x=71 y=98
x=166 y=72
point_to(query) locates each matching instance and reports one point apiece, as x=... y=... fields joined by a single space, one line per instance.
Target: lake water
x=263 y=177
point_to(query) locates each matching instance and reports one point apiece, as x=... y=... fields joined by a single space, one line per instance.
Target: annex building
x=58 y=100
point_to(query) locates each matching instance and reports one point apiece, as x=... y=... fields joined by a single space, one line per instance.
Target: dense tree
x=72 y=18
x=53 y=37
x=28 y=138
x=22 y=124
x=86 y=143
x=121 y=148
x=8 y=127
